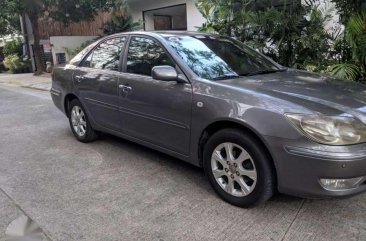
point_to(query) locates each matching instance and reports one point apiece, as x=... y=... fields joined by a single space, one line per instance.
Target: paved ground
x=116 y=190
x=8 y=213
x=42 y=82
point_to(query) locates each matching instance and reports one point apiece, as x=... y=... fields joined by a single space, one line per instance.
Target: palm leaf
x=346 y=71
x=356 y=36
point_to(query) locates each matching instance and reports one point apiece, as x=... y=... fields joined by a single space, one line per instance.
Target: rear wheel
x=79 y=123
x=238 y=168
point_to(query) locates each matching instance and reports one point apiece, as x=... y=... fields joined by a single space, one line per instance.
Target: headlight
x=330 y=130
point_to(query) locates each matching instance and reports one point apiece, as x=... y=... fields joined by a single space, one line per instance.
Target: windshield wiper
x=267 y=71
x=223 y=77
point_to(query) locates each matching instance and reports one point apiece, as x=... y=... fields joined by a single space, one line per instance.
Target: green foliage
x=345 y=71
x=355 y=36
x=61 y=10
x=15 y=64
x=347 y=8
x=13 y=47
x=2 y=67
x=9 y=25
x=293 y=35
x=71 y=53
x=65 y=11
x=120 y=23
x=12 y=61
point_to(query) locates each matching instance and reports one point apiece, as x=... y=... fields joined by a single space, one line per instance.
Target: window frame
x=91 y=52
x=125 y=54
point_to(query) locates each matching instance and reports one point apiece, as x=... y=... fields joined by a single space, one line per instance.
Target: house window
x=61 y=58
x=167 y=18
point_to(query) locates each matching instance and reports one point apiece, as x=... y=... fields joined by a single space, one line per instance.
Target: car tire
x=79 y=123
x=245 y=177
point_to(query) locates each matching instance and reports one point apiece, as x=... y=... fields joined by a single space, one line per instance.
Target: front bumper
x=300 y=164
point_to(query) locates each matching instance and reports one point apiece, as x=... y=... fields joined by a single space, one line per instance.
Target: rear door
x=155 y=111
x=96 y=81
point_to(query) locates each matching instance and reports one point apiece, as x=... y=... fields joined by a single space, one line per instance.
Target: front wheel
x=80 y=124
x=238 y=168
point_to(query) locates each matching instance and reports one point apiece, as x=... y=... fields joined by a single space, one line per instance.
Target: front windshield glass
x=216 y=58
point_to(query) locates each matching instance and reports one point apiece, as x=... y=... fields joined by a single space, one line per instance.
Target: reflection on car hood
x=309 y=90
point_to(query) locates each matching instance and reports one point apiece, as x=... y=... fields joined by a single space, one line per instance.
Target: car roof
x=166 y=33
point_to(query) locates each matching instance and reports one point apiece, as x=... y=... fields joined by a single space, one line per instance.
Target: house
x=181 y=14
x=166 y=14
x=57 y=38
x=154 y=14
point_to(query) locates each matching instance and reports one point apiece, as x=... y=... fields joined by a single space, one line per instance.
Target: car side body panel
x=257 y=103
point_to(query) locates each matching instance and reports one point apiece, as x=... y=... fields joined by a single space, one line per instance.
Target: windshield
x=216 y=58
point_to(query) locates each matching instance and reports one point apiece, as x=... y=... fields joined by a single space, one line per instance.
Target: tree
x=13 y=47
x=120 y=23
x=291 y=33
x=64 y=11
x=9 y=25
x=355 y=35
x=120 y=20
x=347 y=8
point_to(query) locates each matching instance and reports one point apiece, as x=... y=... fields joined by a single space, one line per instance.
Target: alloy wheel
x=78 y=121
x=234 y=169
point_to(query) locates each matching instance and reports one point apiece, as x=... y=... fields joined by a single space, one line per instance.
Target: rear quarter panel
x=62 y=85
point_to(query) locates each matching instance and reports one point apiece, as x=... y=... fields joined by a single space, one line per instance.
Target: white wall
x=59 y=43
x=149 y=21
x=194 y=17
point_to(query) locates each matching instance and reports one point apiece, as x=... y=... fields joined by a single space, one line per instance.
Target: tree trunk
x=26 y=39
x=36 y=47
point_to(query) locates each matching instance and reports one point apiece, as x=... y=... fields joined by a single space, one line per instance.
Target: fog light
x=341 y=184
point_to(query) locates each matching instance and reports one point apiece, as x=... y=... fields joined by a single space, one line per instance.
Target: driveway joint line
x=293 y=221
x=25 y=213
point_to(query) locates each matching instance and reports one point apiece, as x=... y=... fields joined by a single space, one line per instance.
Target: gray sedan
x=253 y=125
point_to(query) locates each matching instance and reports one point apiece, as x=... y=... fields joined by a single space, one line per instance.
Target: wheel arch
x=223 y=124
x=67 y=100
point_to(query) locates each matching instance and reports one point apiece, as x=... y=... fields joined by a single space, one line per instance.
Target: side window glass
x=106 y=55
x=144 y=54
x=79 y=57
x=87 y=61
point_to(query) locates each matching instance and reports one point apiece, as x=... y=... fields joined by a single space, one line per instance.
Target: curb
x=35 y=88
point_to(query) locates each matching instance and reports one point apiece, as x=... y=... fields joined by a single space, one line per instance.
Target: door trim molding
x=153 y=118
x=101 y=103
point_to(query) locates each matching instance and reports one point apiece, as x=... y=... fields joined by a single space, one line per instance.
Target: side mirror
x=166 y=73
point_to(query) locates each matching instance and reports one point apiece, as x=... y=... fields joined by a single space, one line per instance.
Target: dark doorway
x=162 y=22
x=167 y=18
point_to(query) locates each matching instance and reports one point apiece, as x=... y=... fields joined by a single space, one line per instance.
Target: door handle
x=79 y=78
x=125 y=88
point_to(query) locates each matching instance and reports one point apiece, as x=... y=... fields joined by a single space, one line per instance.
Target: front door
x=96 y=81
x=155 y=111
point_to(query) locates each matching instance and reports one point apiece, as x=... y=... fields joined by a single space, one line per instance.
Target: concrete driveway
x=113 y=189
x=40 y=82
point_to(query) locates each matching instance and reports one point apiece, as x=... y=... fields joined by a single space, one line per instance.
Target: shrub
x=13 y=47
x=16 y=65
x=120 y=23
x=2 y=67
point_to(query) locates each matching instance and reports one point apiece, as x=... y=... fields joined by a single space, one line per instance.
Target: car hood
x=316 y=92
